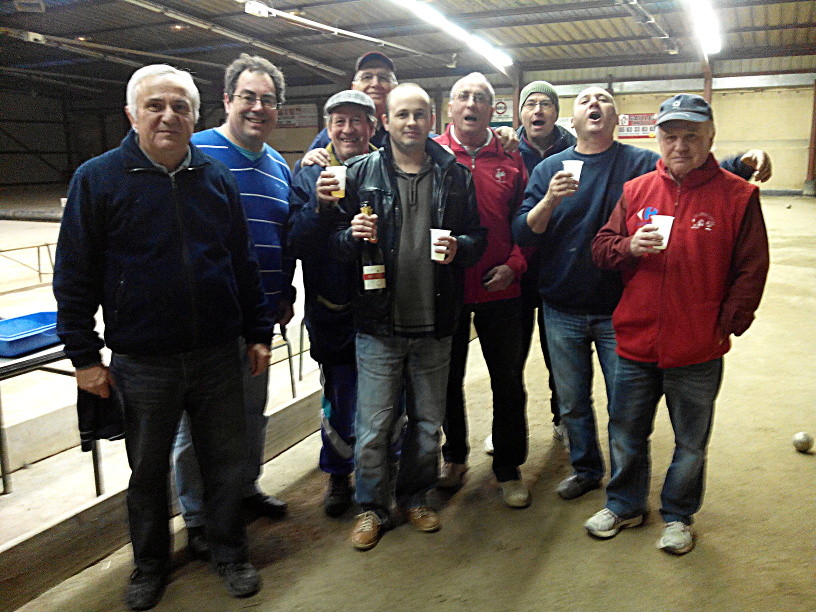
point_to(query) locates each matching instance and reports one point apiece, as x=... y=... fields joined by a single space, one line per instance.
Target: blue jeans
x=189 y=485
x=339 y=407
x=387 y=365
x=570 y=339
x=690 y=393
x=499 y=327
x=156 y=390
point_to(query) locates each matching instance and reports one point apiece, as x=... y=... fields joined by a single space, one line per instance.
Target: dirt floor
x=756 y=537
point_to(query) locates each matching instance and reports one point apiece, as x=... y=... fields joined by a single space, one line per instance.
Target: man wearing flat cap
x=687 y=290
x=329 y=285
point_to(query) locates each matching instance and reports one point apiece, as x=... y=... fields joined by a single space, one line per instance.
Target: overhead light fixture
x=259 y=9
x=706 y=26
x=428 y=13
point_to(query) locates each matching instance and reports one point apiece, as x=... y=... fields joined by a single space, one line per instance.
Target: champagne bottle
x=372 y=258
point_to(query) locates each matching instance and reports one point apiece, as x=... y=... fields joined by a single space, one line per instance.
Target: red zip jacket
x=500 y=179
x=679 y=306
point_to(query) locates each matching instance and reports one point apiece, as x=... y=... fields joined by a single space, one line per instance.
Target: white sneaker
x=606 y=524
x=488 y=444
x=452 y=475
x=677 y=538
x=515 y=493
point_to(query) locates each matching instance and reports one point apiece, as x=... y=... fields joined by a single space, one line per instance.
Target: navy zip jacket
x=167 y=257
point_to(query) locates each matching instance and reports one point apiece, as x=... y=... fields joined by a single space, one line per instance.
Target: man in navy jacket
x=154 y=232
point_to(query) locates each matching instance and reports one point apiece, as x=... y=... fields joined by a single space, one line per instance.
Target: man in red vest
x=687 y=289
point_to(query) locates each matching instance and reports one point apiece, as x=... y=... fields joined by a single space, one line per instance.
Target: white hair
x=478 y=77
x=183 y=78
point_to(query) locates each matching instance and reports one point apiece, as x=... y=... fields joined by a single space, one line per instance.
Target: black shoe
x=145 y=590
x=259 y=504
x=574 y=486
x=338 y=495
x=197 y=544
x=241 y=579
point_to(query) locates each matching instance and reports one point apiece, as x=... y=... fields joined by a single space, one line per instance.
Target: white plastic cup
x=435 y=235
x=573 y=166
x=339 y=173
x=664 y=226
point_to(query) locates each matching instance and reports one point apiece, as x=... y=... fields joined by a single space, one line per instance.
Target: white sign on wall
x=297 y=115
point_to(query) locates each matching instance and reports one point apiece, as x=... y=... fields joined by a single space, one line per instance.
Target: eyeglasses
x=478 y=98
x=369 y=77
x=267 y=100
x=542 y=104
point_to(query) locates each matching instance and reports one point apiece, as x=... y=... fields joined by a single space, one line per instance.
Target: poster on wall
x=502 y=111
x=636 y=125
x=297 y=116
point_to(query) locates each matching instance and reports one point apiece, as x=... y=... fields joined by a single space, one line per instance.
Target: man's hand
x=259 y=355
x=284 y=313
x=645 y=240
x=319 y=157
x=326 y=184
x=95 y=379
x=450 y=245
x=561 y=185
x=498 y=278
x=760 y=161
x=364 y=227
x=508 y=138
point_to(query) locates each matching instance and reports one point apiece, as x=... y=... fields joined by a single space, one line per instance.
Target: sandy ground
x=756 y=536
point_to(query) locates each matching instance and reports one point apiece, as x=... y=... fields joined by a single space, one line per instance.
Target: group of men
x=189 y=250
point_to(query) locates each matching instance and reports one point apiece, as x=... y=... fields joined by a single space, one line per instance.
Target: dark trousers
x=499 y=327
x=156 y=391
x=530 y=310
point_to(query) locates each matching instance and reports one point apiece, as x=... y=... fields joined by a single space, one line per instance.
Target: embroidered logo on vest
x=500 y=175
x=703 y=221
x=644 y=214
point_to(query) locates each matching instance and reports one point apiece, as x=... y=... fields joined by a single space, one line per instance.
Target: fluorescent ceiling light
x=706 y=25
x=428 y=13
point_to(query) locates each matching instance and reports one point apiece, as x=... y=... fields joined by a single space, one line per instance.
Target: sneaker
x=574 y=486
x=677 y=538
x=606 y=524
x=515 y=493
x=424 y=519
x=338 y=495
x=197 y=545
x=366 y=532
x=261 y=504
x=452 y=475
x=145 y=590
x=488 y=444
x=241 y=579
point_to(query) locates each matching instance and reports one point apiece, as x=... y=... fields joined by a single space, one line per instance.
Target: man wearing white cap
x=329 y=286
x=685 y=293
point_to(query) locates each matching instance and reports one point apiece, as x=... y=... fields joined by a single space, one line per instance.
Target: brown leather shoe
x=367 y=530
x=424 y=519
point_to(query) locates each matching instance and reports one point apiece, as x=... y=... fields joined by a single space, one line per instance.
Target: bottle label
x=374 y=277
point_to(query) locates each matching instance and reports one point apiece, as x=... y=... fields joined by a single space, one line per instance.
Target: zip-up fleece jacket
x=679 y=306
x=500 y=179
x=168 y=257
x=454 y=207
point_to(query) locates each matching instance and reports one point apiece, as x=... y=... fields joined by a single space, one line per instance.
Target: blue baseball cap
x=685 y=107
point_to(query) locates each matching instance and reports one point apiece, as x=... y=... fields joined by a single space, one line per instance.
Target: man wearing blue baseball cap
x=687 y=290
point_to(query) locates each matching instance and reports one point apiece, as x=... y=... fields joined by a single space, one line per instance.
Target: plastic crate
x=22 y=335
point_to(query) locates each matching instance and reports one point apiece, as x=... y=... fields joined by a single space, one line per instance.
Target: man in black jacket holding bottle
x=404 y=329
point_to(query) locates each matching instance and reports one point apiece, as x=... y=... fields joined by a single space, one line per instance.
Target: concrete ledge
x=37 y=561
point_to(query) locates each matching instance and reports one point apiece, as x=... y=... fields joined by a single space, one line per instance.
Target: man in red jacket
x=492 y=294
x=686 y=291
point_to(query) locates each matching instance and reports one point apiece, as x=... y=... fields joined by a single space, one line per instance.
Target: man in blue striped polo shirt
x=254 y=89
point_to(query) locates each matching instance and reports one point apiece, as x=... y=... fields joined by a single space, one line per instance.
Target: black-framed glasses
x=267 y=100
x=543 y=104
